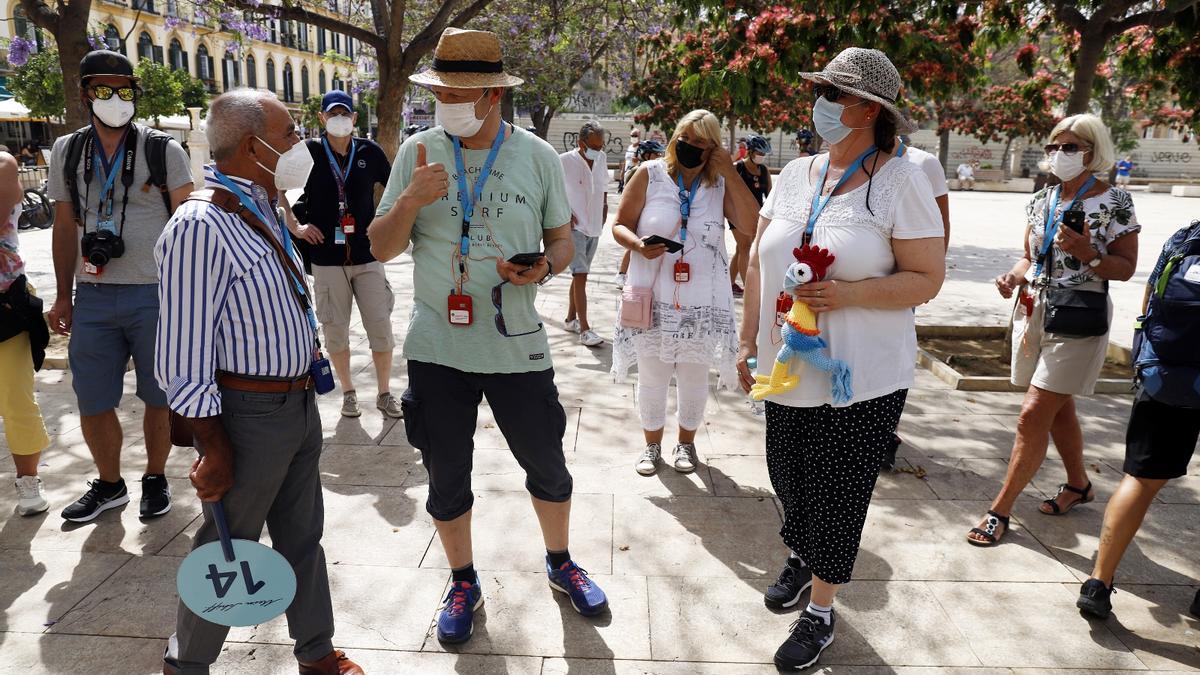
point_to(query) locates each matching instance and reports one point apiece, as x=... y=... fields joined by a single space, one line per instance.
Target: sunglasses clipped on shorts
x=497 y=301
x=830 y=92
x=1068 y=148
x=105 y=92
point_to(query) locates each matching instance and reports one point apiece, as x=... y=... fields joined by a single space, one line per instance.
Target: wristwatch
x=1095 y=262
x=549 y=273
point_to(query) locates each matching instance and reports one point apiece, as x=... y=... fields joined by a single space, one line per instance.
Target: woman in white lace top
x=876 y=215
x=692 y=326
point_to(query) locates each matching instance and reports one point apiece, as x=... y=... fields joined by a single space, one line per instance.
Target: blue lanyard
x=466 y=200
x=900 y=150
x=685 y=204
x=340 y=177
x=818 y=205
x=109 y=173
x=287 y=240
x=1053 y=219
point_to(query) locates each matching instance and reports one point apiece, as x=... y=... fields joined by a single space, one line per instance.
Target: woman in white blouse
x=692 y=326
x=876 y=215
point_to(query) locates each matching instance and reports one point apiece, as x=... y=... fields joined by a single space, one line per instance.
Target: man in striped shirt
x=236 y=341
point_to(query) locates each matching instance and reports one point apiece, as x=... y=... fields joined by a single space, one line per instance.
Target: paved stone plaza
x=684 y=559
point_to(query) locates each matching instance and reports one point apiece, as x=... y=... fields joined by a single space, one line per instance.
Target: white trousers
x=654 y=382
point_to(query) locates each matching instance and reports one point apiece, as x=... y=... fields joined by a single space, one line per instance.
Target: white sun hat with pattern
x=868 y=74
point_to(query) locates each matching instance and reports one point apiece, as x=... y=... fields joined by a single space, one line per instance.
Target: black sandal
x=1085 y=497
x=988 y=532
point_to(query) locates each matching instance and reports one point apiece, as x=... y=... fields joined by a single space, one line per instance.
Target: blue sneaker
x=457 y=618
x=586 y=597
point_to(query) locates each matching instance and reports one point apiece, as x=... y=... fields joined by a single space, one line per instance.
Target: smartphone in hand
x=528 y=259
x=1074 y=220
x=672 y=246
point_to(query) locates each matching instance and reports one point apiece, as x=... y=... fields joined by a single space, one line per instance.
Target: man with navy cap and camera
x=115 y=184
x=333 y=213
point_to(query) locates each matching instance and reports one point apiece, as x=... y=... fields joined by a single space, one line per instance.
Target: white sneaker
x=572 y=326
x=29 y=496
x=588 y=338
x=647 y=464
x=619 y=279
x=685 y=457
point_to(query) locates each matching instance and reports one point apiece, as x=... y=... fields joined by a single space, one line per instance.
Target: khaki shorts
x=1063 y=365
x=336 y=287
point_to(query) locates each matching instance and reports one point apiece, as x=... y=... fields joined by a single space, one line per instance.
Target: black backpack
x=156 y=159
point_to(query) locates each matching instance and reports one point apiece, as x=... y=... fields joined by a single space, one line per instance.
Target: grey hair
x=234 y=115
x=590 y=127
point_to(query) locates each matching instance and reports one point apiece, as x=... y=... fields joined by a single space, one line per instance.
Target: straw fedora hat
x=466 y=59
x=869 y=74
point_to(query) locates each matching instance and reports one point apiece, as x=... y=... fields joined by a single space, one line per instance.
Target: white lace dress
x=692 y=322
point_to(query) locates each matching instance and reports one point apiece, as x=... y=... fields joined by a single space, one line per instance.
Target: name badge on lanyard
x=341 y=178
x=459 y=305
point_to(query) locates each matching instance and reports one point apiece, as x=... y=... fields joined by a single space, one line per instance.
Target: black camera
x=102 y=246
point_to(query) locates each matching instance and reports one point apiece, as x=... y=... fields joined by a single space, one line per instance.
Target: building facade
x=290 y=58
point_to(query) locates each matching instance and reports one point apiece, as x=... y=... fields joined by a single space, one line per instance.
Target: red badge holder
x=683 y=272
x=459 y=309
x=783 y=305
x=89 y=268
x=1026 y=301
x=347 y=223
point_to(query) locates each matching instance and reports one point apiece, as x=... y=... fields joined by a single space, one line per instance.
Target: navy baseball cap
x=336 y=97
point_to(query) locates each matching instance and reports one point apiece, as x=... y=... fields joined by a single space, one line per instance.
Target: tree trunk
x=508 y=107
x=1092 y=43
x=541 y=117
x=1007 y=166
x=393 y=85
x=64 y=22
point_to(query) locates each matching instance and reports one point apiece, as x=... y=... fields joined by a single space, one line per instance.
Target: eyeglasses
x=497 y=299
x=830 y=92
x=1068 y=148
x=105 y=92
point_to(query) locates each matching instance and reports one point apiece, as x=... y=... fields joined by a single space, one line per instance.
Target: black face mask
x=689 y=156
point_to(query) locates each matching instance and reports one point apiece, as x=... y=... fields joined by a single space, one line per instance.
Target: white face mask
x=340 y=126
x=114 y=112
x=1066 y=166
x=591 y=154
x=292 y=169
x=458 y=119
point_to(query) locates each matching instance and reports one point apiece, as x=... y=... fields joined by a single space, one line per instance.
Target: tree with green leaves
x=66 y=21
x=192 y=91
x=1087 y=32
x=162 y=91
x=554 y=44
x=309 y=111
x=38 y=84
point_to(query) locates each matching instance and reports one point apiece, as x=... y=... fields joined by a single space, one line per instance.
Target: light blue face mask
x=827 y=119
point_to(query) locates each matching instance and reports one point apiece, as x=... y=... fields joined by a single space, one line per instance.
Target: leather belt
x=258 y=386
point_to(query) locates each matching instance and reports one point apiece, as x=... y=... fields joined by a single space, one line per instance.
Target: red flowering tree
x=742 y=61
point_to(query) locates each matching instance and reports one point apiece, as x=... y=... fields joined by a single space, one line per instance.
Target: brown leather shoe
x=335 y=663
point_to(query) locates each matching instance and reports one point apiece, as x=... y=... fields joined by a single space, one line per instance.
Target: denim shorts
x=585 y=250
x=110 y=324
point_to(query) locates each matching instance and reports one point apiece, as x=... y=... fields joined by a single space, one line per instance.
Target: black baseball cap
x=105 y=62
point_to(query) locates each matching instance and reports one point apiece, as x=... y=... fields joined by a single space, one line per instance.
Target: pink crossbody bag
x=638 y=301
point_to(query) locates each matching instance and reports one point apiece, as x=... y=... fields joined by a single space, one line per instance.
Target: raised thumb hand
x=421 y=154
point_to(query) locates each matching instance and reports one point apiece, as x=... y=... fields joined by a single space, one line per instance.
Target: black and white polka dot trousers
x=823 y=463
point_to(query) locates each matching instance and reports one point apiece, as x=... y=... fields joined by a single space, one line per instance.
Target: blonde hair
x=1092 y=131
x=701 y=123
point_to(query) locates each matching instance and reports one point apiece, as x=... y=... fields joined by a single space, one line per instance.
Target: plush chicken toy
x=800 y=333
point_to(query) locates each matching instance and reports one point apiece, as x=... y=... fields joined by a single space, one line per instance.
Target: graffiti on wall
x=614 y=144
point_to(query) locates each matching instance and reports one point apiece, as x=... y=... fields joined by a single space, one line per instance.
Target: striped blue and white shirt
x=225 y=304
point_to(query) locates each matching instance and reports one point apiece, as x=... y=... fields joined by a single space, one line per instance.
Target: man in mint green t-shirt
x=484 y=205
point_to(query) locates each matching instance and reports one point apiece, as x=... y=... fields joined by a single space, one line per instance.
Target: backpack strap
x=75 y=143
x=156 y=160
